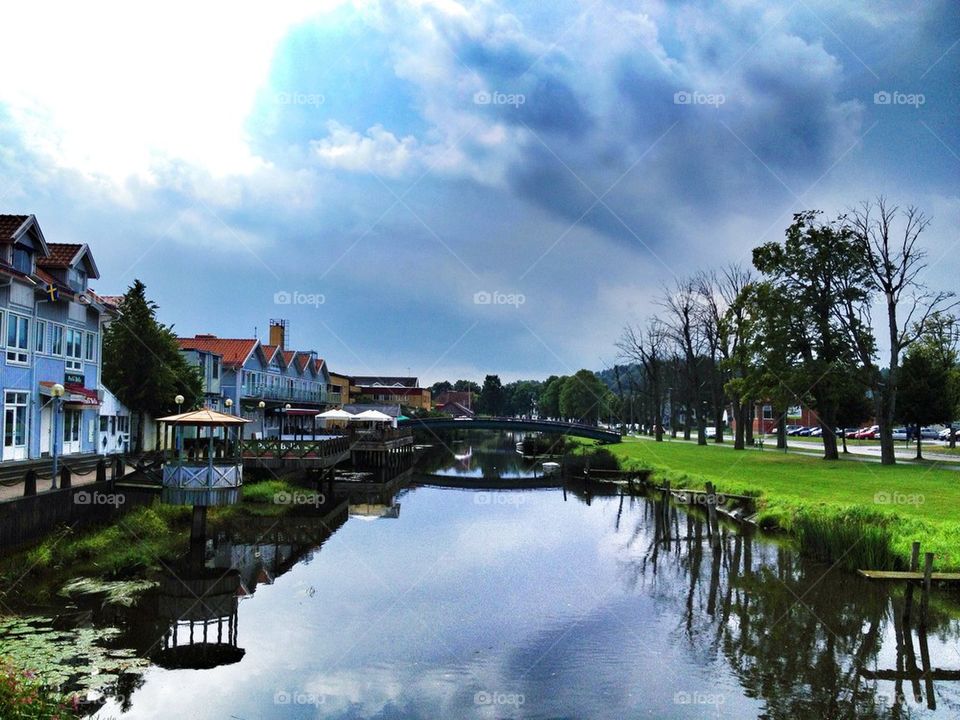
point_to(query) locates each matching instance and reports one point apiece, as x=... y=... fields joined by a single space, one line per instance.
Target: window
x=22 y=260
x=1 y=327
x=74 y=349
x=40 y=341
x=90 y=353
x=15 y=420
x=216 y=368
x=103 y=423
x=18 y=339
x=56 y=342
x=77 y=279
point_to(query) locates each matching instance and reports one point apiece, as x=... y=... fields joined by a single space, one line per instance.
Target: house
x=404 y=391
x=292 y=385
x=339 y=391
x=114 y=435
x=209 y=364
x=455 y=403
x=50 y=335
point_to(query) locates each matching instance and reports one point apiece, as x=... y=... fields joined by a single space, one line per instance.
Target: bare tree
x=648 y=347
x=895 y=262
x=682 y=324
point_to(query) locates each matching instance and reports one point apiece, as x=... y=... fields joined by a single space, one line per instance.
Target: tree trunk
x=718 y=423
x=828 y=424
x=782 y=431
x=687 y=415
x=953 y=437
x=751 y=412
x=888 y=394
x=919 y=443
x=702 y=425
x=739 y=412
x=845 y=451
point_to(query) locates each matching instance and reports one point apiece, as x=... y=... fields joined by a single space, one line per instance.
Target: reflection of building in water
x=257 y=563
x=373 y=511
x=199 y=605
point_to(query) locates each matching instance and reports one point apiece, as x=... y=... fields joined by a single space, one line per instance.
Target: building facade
x=50 y=334
x=405 y=391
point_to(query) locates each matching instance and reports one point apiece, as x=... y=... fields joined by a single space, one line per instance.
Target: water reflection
x=573 y=602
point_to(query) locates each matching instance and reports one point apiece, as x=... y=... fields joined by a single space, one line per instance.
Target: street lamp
x=179 y=401
x=229 y=403
x=177 y=439
x=57 y=392
x=282 y=423
x=263 y=420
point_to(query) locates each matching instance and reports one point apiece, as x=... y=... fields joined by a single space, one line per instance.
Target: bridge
x=592 y=432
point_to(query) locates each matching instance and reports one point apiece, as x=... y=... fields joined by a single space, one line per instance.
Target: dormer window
x=77 y=279
x=23 y=260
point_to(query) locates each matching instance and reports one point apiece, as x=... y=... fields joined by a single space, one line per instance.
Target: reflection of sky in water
x=509 y=594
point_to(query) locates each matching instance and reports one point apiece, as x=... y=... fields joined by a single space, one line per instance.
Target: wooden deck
x=904 y=575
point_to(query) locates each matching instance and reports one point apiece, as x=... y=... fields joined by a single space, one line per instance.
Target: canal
x=469 y=602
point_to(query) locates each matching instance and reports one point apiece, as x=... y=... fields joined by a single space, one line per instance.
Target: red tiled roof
x=233 y=350
x=9 y=224
x=269 y=351
x=318 y=365
x=303 y=361
x=60 y=255
x=288 y=356
x=387 y=390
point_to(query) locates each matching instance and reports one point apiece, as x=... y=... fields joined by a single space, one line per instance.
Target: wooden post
x=30 y=483
x=101 y=470
x=925 y=595
x=66 y=479
x=198 y=526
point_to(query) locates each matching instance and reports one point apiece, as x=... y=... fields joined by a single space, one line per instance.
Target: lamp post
x=263 y=420
x=282 y=423
x=177 y=439
x=57 y=392
x=228 y=403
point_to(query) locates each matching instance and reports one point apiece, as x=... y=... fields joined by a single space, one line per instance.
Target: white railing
x=199 y=476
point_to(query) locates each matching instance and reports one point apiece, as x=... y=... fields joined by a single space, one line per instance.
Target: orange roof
x=304 y=361
x=61 y=254
x=233 y=350
x=318 y=365
x=269 y=351
x=288 y=356
x=9 y=224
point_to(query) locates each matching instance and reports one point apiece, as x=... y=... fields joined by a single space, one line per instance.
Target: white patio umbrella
x=335 y=415
x=371 y=416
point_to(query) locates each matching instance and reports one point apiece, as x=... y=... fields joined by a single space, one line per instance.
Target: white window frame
x=18 y=354
x=73 y=361
x=57 y=329
x=40 y=336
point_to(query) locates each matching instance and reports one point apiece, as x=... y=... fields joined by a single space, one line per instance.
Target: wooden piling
x=925 y=594
x=30 y=483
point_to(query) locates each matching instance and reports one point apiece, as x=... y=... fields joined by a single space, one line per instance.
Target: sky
x=450 y=189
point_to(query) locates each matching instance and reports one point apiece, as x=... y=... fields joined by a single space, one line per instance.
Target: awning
x=335 y=415
x=73 y=394
x=299 y=411
x=371 y=416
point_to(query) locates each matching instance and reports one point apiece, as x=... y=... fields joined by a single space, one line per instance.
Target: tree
x=550 y=397
x=818 y=271
x=142 y=364
x=924 y=390
x=583 y=397
x=466 y=386
x=491 y=396
x=439 y=387
x=854 y=407
x=520 y=397
x=895 y=263
x=648 y=347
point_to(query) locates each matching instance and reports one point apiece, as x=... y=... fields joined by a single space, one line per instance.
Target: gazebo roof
x=204 y=418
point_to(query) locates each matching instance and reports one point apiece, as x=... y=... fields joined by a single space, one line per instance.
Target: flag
x=53 y=292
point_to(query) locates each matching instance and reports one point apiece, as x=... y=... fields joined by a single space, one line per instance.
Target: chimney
x=278 y=333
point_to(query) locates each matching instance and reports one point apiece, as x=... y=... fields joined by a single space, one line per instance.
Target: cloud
x=378 y=151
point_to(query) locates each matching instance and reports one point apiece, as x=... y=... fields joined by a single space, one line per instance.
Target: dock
x=901 y=575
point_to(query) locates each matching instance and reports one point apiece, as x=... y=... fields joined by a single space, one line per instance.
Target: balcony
x=282 y=394
x=214 y=482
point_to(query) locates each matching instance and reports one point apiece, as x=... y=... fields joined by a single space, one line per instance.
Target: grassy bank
x=860 y=514
x=143 y=539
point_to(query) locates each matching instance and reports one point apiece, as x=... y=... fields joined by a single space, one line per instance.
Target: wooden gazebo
x=208 y=478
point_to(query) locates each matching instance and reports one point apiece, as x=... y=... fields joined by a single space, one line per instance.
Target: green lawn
x=911 y=502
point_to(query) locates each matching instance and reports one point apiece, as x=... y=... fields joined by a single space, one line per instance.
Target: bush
x=24 y=697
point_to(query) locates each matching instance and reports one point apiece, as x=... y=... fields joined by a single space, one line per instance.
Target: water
x=546 y=603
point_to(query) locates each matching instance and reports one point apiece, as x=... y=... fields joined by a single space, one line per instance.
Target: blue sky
x=467 y=188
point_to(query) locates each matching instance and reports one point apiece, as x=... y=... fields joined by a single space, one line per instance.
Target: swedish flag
x=53 y=292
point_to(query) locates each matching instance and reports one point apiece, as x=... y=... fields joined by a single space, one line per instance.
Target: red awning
x=73 y=395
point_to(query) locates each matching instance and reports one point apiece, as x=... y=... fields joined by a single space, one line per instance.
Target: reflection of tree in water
x=798 y=635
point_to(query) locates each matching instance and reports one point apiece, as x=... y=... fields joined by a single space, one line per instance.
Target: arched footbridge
x=592 y=432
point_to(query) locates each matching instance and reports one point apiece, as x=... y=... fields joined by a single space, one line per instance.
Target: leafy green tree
x=441 y=386
x=142 y=364
x=466 y=386
x=854 y=407
x=520 y=397
x=583 y=397
x=491 y=397
x=924 y=396
x=818 y=272
x=550 y=397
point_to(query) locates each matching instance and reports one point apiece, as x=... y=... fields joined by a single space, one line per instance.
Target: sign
x=73 y=379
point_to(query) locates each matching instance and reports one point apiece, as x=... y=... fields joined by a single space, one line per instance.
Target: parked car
x=867 y=433
x=928 y=433
x=901 y=433
x=805 y=432
x=795 y=429
x=816 y=432
x=945 y=434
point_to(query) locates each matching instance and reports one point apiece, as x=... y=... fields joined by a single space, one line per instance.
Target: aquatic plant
x=25 y=696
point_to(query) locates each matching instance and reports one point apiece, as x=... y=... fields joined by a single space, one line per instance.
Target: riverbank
x=858 y=514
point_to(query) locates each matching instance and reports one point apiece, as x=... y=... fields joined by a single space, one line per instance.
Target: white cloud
x=379 y=151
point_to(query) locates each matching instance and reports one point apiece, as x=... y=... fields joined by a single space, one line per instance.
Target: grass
x=853 y=511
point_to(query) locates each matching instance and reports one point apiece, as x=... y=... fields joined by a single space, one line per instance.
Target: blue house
x=50 y=333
